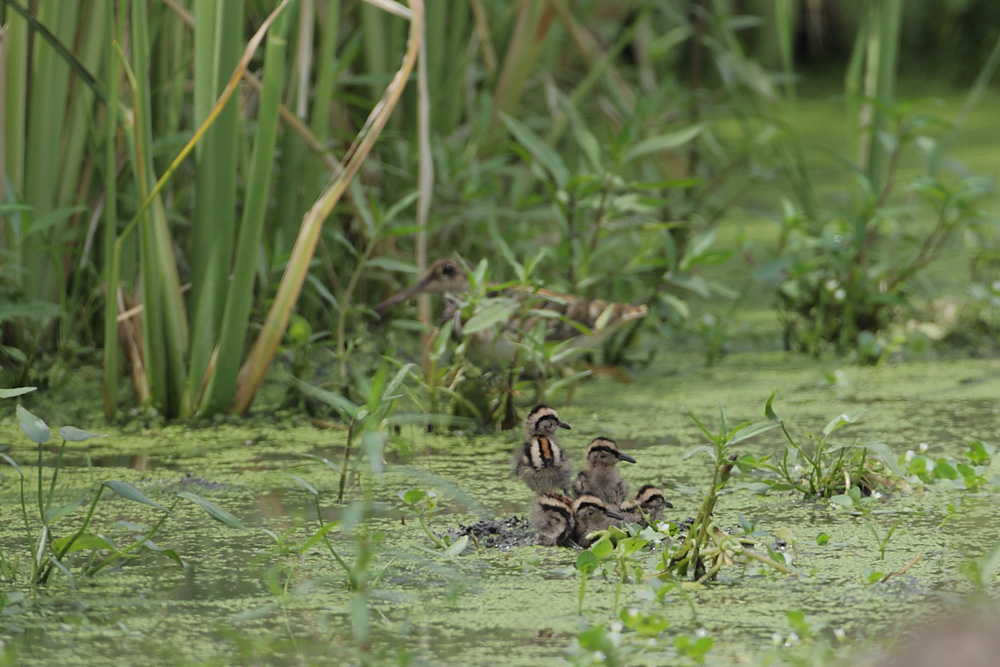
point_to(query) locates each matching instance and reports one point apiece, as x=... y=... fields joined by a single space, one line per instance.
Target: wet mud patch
x=504 y=533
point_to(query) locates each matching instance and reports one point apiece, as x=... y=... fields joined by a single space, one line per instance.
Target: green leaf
x=214 y=510
x=13 y=463
x=457 y=547
x=544 y=154
x=492 y=313
x=304 y=484
x=602 y=548
x=345 y=407
x=885 y=455
x=129 y=492
x=412 y=496
x=822 y=539
x=842 y=419
x=945 y=470
x=315 y=537
x=843 y=500
x=33 y=427
x=73 y=434
x=15 y=391
x=768 y=412
x=745 y=431
x=56 y=513
x=663 y=142
x=86 y=542
x=587 y=561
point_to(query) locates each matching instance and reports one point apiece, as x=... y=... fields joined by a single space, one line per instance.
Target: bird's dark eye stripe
x=605 y=449
x=447 y=269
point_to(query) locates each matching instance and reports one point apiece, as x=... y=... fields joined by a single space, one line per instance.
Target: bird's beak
x=564 y=425
x=622 y=456
x=668 y=504
x=614 y=514
x=416 y=288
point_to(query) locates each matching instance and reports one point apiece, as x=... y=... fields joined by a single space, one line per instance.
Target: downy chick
x=541 y=462
x=601 y=478
x=592 y=514
x=553 y=519
x=651 y=501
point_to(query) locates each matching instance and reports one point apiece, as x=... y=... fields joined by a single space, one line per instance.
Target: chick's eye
x=447 y=269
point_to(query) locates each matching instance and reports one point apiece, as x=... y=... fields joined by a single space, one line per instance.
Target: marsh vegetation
x=752 y=244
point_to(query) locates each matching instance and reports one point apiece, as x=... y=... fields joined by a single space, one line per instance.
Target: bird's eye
x=447 y=269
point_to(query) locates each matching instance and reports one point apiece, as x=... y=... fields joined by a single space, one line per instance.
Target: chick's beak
x=563 y=424
x=401 y=296
x=625 y=457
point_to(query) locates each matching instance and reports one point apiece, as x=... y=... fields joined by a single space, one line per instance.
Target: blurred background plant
x=620 y=148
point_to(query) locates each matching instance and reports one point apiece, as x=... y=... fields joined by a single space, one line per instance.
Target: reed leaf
x=221 y=380
x=215 y=181
x=256 y=365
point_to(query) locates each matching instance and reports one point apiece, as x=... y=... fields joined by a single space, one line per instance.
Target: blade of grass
x=221 y=381
x=252 y=372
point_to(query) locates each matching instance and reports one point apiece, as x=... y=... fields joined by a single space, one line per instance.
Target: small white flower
x=618 y=627
x=840 y=294
x=599 y=657
x=791 y=639
x=877 y=495
x=776 y=639
x=701 y=632
x=923 y=447
x=908 y=456
x=832 y=284
x=840 y=634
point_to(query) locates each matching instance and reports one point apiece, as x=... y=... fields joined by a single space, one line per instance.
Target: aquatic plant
x=706 y=548
x=368 y=420
x=973 y=474
x=827 y=469
x=48 y=552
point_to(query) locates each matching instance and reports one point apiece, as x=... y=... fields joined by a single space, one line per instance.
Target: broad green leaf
x=492 y=313
x=56 y=513
x=15 y=391
x=822 y=539
x=457 y=547
x=945 y=470
x=214 y=511
x=885 y=455
x=842 y=500
x=33 y=427
x=74 y=434
x=842 y=419
x=587 y=561
x=129 y=492
x=602 y=548
x=544 y=154
x=412 y=496
x=663 y=142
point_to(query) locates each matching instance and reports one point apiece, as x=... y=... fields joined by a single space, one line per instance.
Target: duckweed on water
x=241 y=597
